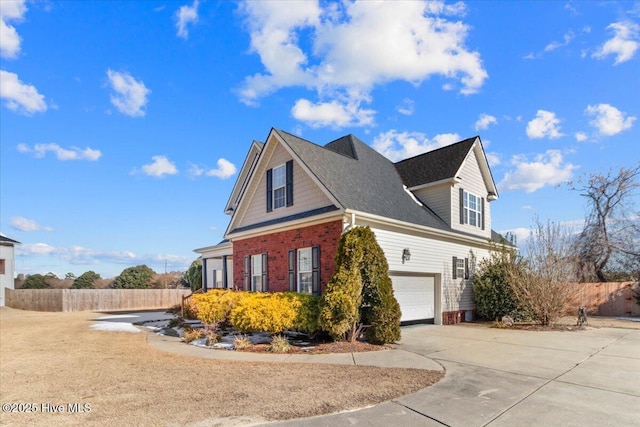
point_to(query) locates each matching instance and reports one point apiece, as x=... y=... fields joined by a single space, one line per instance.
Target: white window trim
x=468 y=211
x=282 y=167
x=460 y=268
x=300 y=271
x=256 y=272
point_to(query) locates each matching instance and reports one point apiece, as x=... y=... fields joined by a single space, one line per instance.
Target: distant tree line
x=136 y=277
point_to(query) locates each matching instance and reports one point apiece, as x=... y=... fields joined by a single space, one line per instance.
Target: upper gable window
x=279 y=183
x=472 y=209
x=280 y=186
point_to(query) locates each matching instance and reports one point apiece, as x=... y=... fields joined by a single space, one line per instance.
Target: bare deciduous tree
x=611 y=225
x=540 y=282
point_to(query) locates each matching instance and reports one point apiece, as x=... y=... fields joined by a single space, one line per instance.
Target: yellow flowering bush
x=259 y=312
x=216 y=305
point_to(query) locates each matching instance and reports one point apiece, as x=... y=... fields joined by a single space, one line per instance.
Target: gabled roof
x=7 y=241
x=243 y=176
x=361 y=179
x=444 y=164
x=436 y=165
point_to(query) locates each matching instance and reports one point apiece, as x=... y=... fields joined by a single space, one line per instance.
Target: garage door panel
x=416 y=296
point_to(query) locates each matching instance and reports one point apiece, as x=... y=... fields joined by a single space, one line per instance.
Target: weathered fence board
x=93 y=299
x=605 y=299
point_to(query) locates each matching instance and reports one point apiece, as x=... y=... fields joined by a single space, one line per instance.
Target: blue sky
x=124 y=123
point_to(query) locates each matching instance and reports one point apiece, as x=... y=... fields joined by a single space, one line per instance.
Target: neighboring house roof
x=7 y=241
x=435 y=165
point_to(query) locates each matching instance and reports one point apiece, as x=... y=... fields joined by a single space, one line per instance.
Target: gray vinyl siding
x=438 y=198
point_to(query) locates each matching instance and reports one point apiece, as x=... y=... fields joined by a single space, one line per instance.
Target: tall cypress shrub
x=360 y=292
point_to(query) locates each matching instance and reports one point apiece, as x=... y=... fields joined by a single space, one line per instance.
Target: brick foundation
x=453 y=317
x=277 y=246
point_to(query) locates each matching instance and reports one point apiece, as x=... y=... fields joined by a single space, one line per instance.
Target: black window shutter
x=289 y=189
x=265 y=275
x=466 y=268
x=461 y=207
x=455 y=266
x=482 y=213
x=315 y=269
x=247 y=273
x=269 y=190
x=292 y=270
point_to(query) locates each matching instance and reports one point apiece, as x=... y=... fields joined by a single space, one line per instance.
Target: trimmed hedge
x=258 y=312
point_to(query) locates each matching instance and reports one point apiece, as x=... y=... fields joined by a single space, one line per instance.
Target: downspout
x=349 y=224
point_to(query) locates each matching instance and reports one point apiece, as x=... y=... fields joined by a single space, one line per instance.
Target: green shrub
x=360 y=292
x=138 y=277
x=493 y=295
x=307 y=311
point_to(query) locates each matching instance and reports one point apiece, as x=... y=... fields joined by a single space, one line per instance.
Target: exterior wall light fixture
x=406 y=255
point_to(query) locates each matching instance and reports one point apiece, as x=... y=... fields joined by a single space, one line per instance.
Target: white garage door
x=416 y=296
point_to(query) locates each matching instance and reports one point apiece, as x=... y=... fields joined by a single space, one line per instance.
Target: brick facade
x=277 y=246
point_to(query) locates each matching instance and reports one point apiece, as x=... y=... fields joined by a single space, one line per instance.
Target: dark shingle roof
x=361 y=179
x=434 y=165
x=5 y=239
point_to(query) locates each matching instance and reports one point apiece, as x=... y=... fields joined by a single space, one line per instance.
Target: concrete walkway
x=494 y=377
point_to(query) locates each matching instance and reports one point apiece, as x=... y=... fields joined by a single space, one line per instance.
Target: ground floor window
x=305 y=271
x=256 y=273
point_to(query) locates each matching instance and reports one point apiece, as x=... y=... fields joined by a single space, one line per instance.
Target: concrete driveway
x=501 y=377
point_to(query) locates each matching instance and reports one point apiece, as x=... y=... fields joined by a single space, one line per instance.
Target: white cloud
x=608 y=120
x=546 y=169
x=78 y=255
x=10 y=10
x=184 y=16
x=581 y=136
x=24 y=224
x=355 y=46
x=130 y=96
x=521 y=234
x=20 y=97
x=401 y=145
x=333 y=114
x=160 y=166
x=35 y=249
x=484 y=121
x=73 y=153
x=623 y=45
x=568 y=37
x=493 y=159
x=406 y=107
x=225 y=169
x=546 y=124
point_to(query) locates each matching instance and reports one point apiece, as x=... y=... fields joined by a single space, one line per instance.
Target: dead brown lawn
x=55 y=358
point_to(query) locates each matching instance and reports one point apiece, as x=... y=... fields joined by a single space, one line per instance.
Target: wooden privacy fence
x=93 y=299
x=604 y=299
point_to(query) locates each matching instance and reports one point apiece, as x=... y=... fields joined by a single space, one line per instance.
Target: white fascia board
x=247 y=166
x=485 y=170
x=216 y=250
x=264 y=155
x=451 y=181
x=420 y=228
x=289 y=225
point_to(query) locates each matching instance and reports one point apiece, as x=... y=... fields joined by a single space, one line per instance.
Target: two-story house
x=7 y=265
x=293 y=199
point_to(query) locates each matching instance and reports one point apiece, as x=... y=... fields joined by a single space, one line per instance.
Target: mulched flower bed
x=322 y=348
